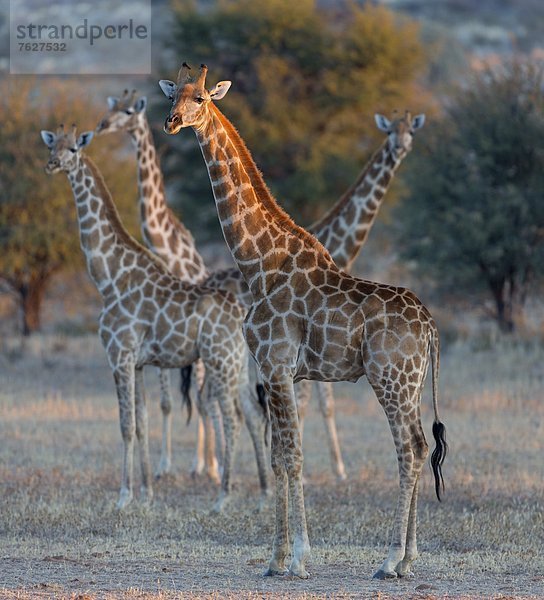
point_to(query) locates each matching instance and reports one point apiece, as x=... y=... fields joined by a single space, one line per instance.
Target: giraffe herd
x=290 y=303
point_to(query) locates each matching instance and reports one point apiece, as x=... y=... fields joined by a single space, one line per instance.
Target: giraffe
x=148 y=315
x=310 y=320
x=167 y=237
x=344 y=229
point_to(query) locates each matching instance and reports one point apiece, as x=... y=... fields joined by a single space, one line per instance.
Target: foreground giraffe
x=310 y=320
x=167 y=237
x=149 y=317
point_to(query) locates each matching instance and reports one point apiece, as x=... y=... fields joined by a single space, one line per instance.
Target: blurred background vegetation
x=463 y=223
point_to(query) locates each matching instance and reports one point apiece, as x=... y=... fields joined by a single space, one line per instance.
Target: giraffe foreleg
x=143 y=436
x=288 y=450
x=280 y=548
x=123 y=375
x=165 y=462
x=326 y=404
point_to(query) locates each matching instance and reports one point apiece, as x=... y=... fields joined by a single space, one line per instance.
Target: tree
x=475 y=215
x=306 y=83
x=38 y=231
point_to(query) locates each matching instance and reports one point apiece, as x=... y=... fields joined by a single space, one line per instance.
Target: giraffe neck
x=345 y=228
x=262 y=238
x=106 y=244
x=162 y=232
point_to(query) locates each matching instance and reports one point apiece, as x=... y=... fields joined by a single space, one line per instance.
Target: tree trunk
x=504 y=316
x=31 y=301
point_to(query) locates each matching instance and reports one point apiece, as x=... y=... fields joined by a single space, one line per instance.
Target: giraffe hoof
x=146 y=496
x=300 y=572
x=163 y=468
x=406 y=575
x=381 y=574
x=125 y=499
x=341 y=476
x=275 y=572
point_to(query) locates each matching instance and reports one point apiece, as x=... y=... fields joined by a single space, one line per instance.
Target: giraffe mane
x=113 y=216
x=339 y=206
x=265 y=195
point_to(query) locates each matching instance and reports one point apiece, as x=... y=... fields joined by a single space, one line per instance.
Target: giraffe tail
x=263 y=403
x=185 y=386
x=439 y=430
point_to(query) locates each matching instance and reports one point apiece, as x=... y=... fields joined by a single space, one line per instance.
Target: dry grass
x=60 y=536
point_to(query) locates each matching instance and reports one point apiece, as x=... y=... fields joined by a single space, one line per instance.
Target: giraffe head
x=125 y=113
x=400 y=132
x=190 y=98
x=65 y=149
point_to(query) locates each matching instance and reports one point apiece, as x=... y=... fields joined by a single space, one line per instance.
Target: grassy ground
x=60 y=536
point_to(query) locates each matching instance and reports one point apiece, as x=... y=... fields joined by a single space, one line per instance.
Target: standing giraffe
x=310 y=320
x=344 y=231
x=148 y=315
x=167 y=237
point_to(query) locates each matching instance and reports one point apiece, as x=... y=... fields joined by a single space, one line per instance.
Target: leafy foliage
x=38 y=228
x=475 y=215
x=306 y=83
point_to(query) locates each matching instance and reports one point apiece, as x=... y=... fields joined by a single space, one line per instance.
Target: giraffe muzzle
x=53 y=166
x=172 y=124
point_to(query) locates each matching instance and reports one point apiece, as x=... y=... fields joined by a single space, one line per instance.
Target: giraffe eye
x=200 y=100
x=73 y=150
x=128 y=111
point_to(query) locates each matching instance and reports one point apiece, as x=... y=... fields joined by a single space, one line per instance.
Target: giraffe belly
x=341 y=364
x=174 y=352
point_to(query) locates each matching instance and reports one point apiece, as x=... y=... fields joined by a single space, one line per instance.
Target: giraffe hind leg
x=412 y=451
x=403 y=568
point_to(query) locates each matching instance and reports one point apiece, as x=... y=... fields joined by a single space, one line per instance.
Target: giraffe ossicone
x=310 y=320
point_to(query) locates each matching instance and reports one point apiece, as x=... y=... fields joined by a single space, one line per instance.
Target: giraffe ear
x=48 y=138
x=140 y=104
x=168 y=87
x=418 y=121
x=220 y=90
x=85 y=139
x=112 y=102
x=382 y=122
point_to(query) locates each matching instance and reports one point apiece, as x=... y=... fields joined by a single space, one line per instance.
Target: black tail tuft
x=186 y=390
x=438 y=456
x=263 y=403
